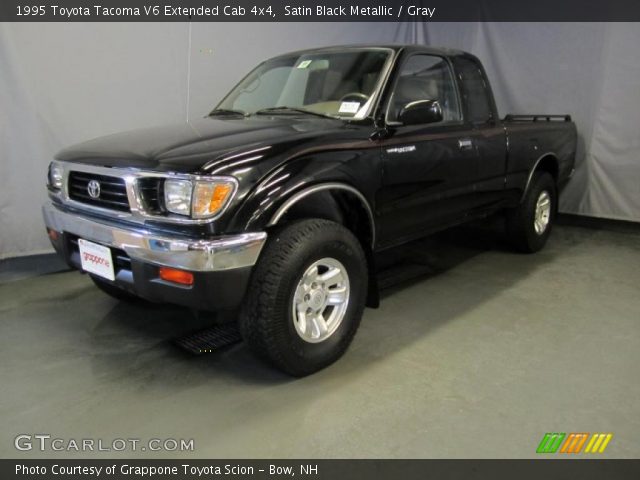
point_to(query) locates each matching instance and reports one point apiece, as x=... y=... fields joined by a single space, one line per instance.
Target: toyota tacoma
x=274 y=205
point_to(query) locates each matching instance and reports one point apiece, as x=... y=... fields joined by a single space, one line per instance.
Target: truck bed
x=533 y=137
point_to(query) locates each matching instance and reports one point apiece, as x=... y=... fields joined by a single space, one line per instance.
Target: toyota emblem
x=93 y=188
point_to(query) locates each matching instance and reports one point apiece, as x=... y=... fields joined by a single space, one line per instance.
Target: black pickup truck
x=275 y=203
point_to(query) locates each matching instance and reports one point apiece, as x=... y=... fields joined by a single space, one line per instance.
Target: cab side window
x=425 y=77
x=474 y=91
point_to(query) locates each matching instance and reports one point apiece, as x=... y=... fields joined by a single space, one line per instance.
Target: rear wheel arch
x=547 y=162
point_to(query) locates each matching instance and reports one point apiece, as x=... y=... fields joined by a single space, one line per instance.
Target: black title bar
x=320 y=11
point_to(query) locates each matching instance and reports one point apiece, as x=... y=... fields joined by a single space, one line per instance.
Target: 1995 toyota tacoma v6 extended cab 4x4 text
x=275 y=203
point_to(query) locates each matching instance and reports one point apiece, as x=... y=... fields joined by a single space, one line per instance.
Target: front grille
x=113 y=191
x=152 y=191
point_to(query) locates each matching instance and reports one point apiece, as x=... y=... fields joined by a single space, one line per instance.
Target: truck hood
x=201 y=146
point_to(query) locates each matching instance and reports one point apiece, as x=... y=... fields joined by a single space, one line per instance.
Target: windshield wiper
x=286 y=110
x=226 y=111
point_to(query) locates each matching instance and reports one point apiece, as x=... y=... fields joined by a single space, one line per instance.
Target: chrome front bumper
x=221 y=253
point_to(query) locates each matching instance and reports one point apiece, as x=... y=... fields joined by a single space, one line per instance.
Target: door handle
x=465 y=144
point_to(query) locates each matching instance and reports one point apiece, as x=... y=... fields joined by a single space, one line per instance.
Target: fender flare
x=296 y=197
x=533 y=170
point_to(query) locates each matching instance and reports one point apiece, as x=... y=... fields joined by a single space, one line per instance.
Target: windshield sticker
x=349 y=107
x=304 y=64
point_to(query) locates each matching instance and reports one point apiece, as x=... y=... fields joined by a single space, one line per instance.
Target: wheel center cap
x=317 y=300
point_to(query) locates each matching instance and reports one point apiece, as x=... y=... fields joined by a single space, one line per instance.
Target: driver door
x=429 y=170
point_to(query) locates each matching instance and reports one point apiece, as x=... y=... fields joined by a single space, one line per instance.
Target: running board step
x=210 y=339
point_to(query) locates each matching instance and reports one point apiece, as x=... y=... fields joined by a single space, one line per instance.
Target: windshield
x=338 y=84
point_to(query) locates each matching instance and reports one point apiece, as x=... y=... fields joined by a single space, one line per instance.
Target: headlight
x=56 y=173
x=198 y=198
x=177 y=196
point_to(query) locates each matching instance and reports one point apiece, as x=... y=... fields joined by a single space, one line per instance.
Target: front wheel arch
x=342 y=204
x=343 y=194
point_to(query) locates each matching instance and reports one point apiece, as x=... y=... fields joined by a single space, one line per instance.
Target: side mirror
x=420 y=111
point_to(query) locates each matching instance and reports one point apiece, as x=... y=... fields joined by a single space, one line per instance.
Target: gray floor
x=478 y=355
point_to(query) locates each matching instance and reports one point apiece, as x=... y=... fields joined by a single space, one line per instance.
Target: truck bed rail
x=537 y=118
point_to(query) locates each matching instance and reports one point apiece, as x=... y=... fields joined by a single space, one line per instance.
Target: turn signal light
x=53 y=235
x=176 y=276
x=210 y=197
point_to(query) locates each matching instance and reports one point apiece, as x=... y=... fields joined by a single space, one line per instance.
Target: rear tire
x=306 y=296
x=529 y=224
x=113 y=291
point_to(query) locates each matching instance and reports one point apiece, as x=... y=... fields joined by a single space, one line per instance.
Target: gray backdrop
x=64 y=83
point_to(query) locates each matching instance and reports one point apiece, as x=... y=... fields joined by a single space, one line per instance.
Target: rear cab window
x=474 y=91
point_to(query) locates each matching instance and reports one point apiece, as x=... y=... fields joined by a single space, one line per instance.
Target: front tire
x=306 y=296
x=529 y=224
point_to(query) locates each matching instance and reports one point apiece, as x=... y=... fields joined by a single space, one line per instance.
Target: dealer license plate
x=96 y=259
